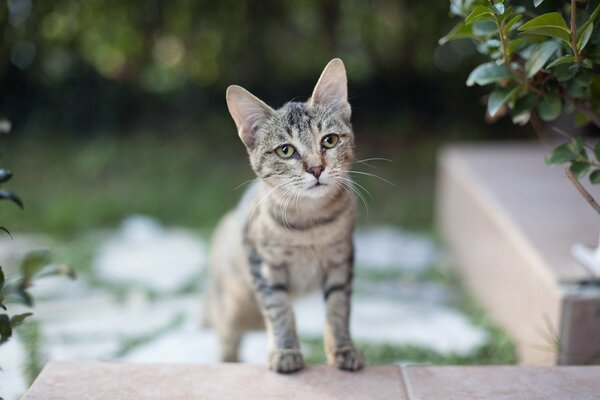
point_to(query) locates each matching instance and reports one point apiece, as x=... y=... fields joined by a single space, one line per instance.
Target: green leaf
x=5 y=328
x=586 y=63
x=576 y=145
x=60 y=269
x=5 y=175
x=562 y=60
x=480 y=13
x=515 y=45
x=595 y=177
x=521 y=110
x=550 y=24
x=560 y=155
x=6 y=230
x=18 y=319
x=536 y=3
x=487 y=73
x=565 y=72
x=512 y=23
x=484 y=28
x=539 y=56
x=584 y=37
x=460 y=31
x=581 y=119
x=550 y=107
x=579 y=169
x=587 y=29
x=575 y=89
x=6 y=195
x=33 y=262
x=597 y=151
x=500 y=97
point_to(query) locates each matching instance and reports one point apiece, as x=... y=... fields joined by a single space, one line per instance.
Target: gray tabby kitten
x=292 y=231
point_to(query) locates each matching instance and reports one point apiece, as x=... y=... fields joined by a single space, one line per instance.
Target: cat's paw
x=286 y=360
x=347 y=358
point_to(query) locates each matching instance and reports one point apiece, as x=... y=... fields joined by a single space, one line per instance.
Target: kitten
x=292 y=231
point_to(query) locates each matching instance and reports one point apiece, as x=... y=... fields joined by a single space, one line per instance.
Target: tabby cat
x=292 y=231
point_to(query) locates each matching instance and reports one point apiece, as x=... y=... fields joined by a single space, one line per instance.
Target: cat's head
x=304 y=149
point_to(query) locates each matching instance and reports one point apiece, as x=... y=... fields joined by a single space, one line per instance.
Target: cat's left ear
x=248 y=113
x=331 y=90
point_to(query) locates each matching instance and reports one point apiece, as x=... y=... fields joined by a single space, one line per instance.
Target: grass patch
x=71 y=186
x=130 y=343
x=31 y=337
x=497 y=350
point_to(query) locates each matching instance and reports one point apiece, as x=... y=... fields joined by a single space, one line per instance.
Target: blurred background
x=121 y=139
x=118 y=106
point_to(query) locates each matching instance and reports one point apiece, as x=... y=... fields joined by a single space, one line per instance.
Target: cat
x=291 y=233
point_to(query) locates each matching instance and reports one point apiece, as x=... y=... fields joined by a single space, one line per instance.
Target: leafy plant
x=539 y=66
x=35 y=265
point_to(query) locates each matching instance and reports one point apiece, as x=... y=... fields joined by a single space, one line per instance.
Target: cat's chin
x=317 y=191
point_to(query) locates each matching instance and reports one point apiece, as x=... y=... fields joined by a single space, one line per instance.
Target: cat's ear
x=331 y=90
x=248 y=112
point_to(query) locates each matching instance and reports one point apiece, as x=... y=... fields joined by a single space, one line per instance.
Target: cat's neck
x=299 y=209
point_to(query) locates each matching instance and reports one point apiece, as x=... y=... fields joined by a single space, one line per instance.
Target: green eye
x=329 y=141
x=285 y=151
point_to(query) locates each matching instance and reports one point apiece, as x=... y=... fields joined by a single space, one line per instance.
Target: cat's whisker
x=285 y=199
x=266 y=196
x=367 y=161
x=350 y=185
x=359 y=185
x=373 y=175
x=374 y=159
x=248 y=182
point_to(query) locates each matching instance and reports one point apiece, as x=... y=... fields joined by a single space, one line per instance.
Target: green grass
x=497 y=350
x=70 y=186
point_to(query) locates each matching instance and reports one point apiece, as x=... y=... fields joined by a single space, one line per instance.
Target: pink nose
x=316 y=171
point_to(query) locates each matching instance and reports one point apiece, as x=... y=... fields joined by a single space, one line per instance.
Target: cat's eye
x=329 y=141
x=285 y=151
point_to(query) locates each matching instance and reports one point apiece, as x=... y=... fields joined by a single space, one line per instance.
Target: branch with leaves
x=539 y=67
x=35 y=265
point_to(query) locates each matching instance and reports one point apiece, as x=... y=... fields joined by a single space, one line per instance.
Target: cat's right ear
x=248 y=112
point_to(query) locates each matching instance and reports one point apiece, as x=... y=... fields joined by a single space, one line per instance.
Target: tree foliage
x=538 y=66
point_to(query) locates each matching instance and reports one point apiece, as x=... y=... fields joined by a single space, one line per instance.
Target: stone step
x=510 y=220
x=94 y=380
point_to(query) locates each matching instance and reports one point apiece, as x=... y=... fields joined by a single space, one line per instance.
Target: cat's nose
x=316 y=171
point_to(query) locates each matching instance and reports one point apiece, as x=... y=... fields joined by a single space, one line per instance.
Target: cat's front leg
x=337 y=290
x=271 y=289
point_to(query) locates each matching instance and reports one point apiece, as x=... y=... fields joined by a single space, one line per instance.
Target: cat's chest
x=305 y=267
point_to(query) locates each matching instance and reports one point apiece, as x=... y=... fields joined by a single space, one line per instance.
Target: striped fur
x=292 y=231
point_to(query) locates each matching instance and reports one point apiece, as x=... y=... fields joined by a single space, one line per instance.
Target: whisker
x=359 y=185
x=373 y=175
x=367 y=160
x=348 y=183
x=248 y=182
x=265 y=197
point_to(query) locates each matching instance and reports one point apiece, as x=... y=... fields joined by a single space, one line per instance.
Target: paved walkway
x=101 y=381
x=138 y=299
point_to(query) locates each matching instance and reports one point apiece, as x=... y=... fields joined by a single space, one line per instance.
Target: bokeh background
x=118 y=109
x=118 y=106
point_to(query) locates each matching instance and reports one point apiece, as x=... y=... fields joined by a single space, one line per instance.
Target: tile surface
x=92 y=380
x=503 y=383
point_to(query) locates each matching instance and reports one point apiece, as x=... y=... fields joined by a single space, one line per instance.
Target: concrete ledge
x=510 y=220
x=93 y=380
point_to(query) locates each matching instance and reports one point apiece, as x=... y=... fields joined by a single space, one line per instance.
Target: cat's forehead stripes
x=298 y=121
x=297 y=116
